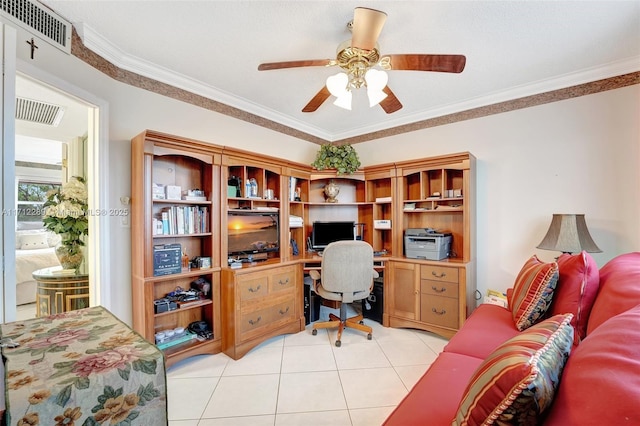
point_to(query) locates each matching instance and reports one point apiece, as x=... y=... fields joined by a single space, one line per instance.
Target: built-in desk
x=314 y=261
x=265 y=299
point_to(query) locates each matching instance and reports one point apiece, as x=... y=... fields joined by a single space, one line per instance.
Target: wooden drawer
x=439 y=288
x=252 y=286
x=264 y=317
x=439 y=273
x=439 y=310
x=284 y=279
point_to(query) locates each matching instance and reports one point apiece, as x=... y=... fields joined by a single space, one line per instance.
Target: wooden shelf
x=158 y=159
x=185 y=306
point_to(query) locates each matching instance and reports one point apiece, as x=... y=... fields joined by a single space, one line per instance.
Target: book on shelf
x=383 y=199
x=184 y=220
x=292 y=188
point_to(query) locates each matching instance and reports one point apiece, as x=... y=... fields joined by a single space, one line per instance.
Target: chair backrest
x=347 y=266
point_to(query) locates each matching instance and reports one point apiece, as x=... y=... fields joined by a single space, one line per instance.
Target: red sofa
x=600 y=383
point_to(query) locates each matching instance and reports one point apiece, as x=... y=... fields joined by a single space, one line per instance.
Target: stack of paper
x=295 y=221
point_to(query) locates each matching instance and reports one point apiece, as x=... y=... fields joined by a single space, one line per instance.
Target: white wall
x=576 y=156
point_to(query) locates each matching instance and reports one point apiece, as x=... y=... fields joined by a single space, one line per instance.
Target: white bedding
x=28 y=261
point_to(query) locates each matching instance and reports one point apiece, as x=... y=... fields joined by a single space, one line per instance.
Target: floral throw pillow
x=533 y=292
x=516 y=384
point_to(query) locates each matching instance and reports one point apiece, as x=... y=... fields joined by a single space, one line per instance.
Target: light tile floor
x=301 y=379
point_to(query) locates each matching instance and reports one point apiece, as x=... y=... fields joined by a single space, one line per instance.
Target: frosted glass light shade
x=376 y=81
x=338 y=87
x=337 y=84
x=344 y=100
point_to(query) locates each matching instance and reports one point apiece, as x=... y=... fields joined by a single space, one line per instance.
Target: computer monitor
x=325 y=233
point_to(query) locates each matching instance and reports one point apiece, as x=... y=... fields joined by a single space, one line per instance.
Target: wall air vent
x=38 y=20
x=38 y=112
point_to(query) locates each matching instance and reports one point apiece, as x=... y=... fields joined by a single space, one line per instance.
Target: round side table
x=60 y=290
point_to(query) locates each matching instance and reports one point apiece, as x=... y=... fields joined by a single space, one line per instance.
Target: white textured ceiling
x=213 y=48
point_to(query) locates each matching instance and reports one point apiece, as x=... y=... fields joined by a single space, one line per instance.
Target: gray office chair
x=346 y=276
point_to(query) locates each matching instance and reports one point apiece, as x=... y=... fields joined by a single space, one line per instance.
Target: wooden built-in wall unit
x=264 y=297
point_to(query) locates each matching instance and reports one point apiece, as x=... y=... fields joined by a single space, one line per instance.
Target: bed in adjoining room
x=35 y=249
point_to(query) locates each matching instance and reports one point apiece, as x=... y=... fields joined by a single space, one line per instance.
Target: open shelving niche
x=356 y=202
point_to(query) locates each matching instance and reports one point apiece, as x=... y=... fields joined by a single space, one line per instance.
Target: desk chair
x=346 y=276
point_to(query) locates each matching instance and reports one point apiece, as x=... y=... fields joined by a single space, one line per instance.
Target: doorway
x=97 y=155
x=51 y=130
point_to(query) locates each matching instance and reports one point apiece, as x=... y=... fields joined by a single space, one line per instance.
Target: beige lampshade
x=568 y=233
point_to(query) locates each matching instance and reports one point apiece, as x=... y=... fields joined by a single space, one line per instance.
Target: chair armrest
x=315 y=275
x=376 y=274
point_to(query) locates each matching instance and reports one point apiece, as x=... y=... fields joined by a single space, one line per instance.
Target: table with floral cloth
x=82 y=367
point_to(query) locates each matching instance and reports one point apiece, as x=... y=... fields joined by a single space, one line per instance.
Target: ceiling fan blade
x=367 y=24
x=390 y=104
x=294 y=64
x=317 y=100
x=420 y=62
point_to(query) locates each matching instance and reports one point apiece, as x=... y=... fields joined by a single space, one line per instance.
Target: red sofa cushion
x=576 y=290
x=619 y=289
x=518 y=381
x=474 y=340
x=533 y=292
x=434 y=399
x=601 y=381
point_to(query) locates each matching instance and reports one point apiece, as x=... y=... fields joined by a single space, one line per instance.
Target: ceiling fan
x=359 y=59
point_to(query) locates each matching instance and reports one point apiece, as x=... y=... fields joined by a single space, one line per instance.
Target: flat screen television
x=252 y=232
x=325 y=233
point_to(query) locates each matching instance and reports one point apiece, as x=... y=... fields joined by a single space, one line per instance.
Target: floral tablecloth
x=82 y=367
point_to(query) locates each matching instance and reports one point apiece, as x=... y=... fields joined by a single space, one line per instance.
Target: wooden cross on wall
x=32 y=43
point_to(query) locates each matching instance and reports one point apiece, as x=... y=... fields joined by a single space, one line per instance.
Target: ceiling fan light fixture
x=376 y=81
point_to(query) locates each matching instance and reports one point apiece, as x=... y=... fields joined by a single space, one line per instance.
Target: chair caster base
x=314 y=332
x=338 y=343
x=369 y=336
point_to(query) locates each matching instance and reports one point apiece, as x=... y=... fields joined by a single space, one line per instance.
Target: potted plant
x=65 y=213
x=342 y=158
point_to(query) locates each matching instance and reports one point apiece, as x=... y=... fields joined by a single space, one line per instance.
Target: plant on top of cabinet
x=343 y=158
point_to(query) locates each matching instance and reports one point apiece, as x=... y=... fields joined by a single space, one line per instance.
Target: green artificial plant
x=342 y=158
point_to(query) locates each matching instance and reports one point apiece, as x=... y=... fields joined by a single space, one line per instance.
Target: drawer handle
x=252 y=322
x=438 y=290
x=284 y=312
x=440 y=275
x=254 y=290
x=283 y=283
x=437 y=312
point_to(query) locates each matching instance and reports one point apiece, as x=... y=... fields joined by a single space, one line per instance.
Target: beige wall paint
x=576 y=156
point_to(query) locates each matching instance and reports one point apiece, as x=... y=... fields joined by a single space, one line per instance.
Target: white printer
x=426 y=243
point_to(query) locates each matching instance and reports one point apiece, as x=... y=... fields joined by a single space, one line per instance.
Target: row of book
x=182 y=220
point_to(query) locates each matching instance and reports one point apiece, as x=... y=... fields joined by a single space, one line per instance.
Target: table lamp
x=568 y=233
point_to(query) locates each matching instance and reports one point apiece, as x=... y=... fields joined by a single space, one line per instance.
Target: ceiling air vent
x=38 y=20
x=38 y=112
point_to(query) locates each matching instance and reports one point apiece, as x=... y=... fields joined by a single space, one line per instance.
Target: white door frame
x=8 y=36
x=98 y=252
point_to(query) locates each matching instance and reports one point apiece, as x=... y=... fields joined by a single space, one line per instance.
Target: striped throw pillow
x=533 y=292
x=517 y=382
